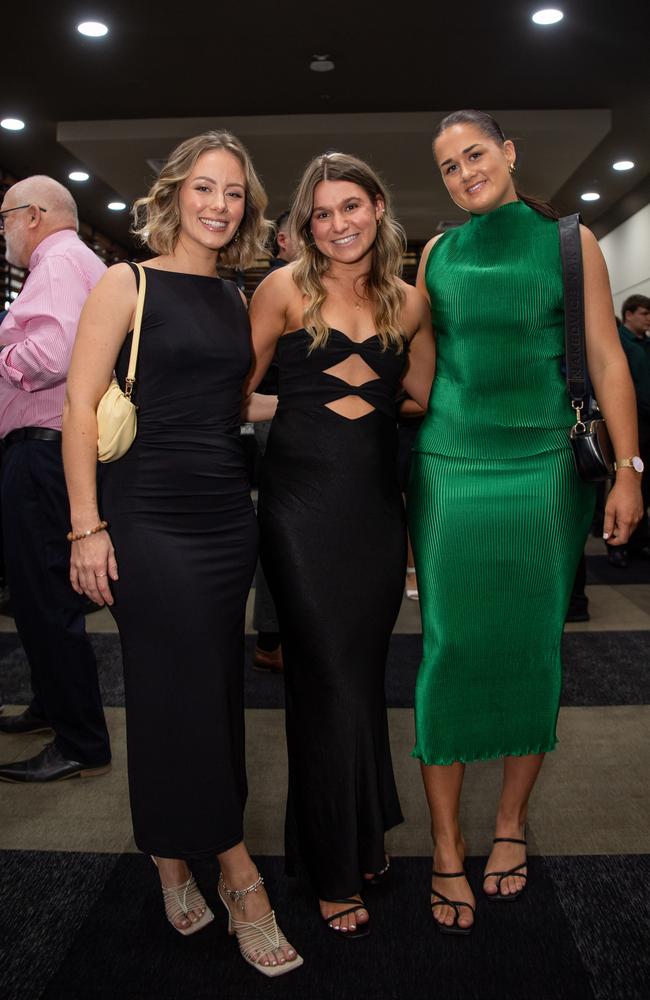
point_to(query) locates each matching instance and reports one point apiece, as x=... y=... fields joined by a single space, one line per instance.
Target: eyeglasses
x=16 y=209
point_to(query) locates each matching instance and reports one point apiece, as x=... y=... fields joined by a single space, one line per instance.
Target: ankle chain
x=238 y=896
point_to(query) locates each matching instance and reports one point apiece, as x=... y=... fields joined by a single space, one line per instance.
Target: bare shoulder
x=429 y=247
x=278 y=286
x=592 y=256
x=111 y=304
x=119 y=278
x=424 y=260
x=281 y=278
x=416 y=308
x=432 y=242
x=588 y=241
x=414 y=300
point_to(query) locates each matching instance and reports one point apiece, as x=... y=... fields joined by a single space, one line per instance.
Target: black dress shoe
x=578 y=609
x=24 y=722
x=49 y=765
x=616 y=557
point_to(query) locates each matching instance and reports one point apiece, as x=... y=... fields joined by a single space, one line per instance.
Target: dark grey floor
x=93 y=929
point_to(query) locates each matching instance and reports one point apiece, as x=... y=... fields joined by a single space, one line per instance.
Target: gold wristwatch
x=635 y=463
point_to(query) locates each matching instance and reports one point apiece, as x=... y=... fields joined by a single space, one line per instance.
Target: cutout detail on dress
x=354 y=370
x=350 y=407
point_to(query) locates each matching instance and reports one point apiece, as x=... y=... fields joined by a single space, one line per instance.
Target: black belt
x=31 y=434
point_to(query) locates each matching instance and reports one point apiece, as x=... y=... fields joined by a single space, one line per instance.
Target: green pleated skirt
x=496 y=544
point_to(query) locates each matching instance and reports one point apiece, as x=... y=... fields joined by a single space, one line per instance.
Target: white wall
x=627 y=252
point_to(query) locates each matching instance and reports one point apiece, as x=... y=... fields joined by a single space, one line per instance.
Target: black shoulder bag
x=592 y=449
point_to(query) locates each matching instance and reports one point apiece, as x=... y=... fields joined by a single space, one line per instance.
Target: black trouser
x=640 y=537
x=48 y=613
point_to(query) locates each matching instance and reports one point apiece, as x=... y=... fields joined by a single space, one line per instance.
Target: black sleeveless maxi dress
x=183 y=526
x=333 y=547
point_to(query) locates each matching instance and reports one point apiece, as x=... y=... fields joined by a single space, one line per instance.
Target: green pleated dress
x=497 y=514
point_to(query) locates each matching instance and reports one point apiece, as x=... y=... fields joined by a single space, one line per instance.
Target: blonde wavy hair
x=382 y=284
x=156 y=217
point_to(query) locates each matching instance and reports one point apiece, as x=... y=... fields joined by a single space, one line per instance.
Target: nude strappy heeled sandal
x=256 y=936
x=180 y=899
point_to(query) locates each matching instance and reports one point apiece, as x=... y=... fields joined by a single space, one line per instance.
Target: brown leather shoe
x=268 y=659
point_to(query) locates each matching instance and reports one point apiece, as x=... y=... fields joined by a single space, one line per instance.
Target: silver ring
x=99 y=574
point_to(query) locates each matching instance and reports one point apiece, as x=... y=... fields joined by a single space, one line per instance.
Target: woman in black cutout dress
x=333 y=537
x=180 y=514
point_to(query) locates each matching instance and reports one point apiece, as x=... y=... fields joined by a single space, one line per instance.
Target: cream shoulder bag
x=117 y=421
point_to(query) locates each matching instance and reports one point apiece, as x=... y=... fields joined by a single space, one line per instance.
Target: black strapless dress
x=183 y=525
x=333 y=546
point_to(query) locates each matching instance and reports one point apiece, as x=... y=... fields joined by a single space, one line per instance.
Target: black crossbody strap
x=574 y=308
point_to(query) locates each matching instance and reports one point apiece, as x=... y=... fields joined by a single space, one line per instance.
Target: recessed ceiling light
x=116 y=206
x=12 y=124
x=623 y=165
x=590 y=196
x=321 y=64
x=93 y=29
x=549 y=15
x=78 y=175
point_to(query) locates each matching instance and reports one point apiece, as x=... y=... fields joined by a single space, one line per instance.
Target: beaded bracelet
x=77 y=536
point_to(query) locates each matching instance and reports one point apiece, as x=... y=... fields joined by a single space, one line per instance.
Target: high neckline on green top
x=511 y=208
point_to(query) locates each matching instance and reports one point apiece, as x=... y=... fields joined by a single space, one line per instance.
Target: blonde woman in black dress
x=182 y=529
x=347 y=331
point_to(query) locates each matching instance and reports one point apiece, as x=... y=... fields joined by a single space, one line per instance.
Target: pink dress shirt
x=38 y=332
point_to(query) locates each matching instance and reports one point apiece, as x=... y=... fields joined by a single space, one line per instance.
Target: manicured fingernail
x=605 y=535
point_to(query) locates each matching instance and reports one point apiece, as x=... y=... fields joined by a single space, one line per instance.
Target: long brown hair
x=491 y=128
x=382 y=284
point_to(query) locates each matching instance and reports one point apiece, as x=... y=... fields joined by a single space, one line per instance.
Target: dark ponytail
x=491 y=128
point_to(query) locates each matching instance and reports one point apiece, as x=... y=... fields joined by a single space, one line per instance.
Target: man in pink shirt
x=39 y=220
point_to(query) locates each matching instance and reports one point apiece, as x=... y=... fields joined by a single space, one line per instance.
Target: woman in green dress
x=498 y=515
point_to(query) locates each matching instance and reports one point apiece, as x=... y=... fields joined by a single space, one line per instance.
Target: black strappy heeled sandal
x=362 y=930
x=510 y=896
x=441 y=900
